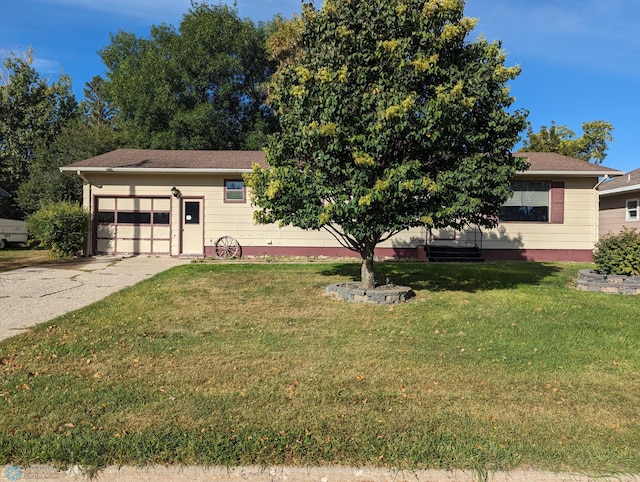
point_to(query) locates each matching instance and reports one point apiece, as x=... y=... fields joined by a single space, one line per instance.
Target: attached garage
x=171 y=203
x=137 y=225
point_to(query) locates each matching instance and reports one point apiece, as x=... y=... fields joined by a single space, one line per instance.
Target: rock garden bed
x=383 y=295
x=589 y=280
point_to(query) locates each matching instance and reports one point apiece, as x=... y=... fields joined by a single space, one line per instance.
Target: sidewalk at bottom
x=290 y=474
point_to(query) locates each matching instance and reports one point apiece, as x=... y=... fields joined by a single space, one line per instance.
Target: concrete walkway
x=29 y=296
x=291 y=474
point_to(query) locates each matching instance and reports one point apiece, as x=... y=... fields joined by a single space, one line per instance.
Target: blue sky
x=580 y=59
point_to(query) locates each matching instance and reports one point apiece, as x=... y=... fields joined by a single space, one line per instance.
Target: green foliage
x=77 y=140
x=92 y=134
x=98 y=111
x=198 y=87
x=32 y=113
x=390 y=119
x=46 y=185
x=591 y=146
x=618 y=253
x=61 y=227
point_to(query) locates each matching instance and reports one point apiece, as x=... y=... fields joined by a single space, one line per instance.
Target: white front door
x=192 y=227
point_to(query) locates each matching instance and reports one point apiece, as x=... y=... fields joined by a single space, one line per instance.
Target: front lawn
x=493 y=366
x=15 y=258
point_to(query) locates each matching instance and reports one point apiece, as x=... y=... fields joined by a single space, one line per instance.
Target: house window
x=161 y=217
x=234 y=191
x=192 y=212
x=106 y=217
x=134 y=217
x=530 y=202
x=632 y=210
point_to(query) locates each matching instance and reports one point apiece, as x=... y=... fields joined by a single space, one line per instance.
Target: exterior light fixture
x=176 y=192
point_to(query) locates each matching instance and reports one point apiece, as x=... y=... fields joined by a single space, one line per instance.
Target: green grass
x=17 y=257
x=491 y=367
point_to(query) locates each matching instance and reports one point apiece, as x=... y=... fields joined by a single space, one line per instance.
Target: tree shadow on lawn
x=468 y=277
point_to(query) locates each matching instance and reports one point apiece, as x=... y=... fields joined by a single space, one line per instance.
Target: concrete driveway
x=29 y=296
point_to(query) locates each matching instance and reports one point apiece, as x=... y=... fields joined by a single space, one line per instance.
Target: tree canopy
x=33 y=112
x=198 y=87
x=592 y=146
x=391 y=118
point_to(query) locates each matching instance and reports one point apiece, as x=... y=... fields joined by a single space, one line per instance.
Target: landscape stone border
x=383 y=295
x=589 y=280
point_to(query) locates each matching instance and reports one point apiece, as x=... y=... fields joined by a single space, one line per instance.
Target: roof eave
x=571 y=173
x=619 y=190
x=138 y=170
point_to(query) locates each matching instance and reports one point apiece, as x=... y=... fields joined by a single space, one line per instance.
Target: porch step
x=450 y=254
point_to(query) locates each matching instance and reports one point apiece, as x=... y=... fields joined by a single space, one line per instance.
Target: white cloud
x=46 y=66
x=169 y=11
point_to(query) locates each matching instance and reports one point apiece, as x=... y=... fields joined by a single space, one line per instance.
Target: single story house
x=180 y=203
x=619 y=203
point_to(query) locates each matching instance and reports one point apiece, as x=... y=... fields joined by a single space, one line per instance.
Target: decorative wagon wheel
x=227 y=247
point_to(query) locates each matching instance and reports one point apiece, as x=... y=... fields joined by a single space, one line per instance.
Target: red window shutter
x=557 y=202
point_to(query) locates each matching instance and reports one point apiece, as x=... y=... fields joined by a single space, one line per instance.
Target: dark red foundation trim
x=539 y=255
x=257 y=251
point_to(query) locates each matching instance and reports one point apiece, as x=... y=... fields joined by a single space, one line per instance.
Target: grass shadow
x=468 y=277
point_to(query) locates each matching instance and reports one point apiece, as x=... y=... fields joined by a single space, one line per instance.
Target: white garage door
x=133 y=225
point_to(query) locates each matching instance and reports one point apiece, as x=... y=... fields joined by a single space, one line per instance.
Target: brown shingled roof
x=629 y=180
x=167 y=159
x=550 y=161
x=244 y=160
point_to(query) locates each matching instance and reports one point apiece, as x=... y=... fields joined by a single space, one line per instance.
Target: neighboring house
x=180 y=203
x=620 y=203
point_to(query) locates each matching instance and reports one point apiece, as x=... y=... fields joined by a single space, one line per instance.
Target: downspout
x=597 y=210
x=605 y=178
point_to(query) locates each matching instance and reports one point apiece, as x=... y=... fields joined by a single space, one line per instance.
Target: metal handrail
x=478 y=238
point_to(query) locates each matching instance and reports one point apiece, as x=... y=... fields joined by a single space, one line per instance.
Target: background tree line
x=198 y=86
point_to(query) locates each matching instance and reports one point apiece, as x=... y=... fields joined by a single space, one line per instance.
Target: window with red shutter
x=557 y=202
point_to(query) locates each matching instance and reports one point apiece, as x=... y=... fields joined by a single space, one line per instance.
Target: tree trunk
x=367 y=279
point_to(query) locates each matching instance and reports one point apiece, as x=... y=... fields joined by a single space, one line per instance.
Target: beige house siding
x=613 y=211
x=220 y=218
x=577 y=232
x=146 y=177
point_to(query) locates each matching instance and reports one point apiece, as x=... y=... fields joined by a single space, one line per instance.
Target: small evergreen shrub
x=618 y=253
x=61 y=228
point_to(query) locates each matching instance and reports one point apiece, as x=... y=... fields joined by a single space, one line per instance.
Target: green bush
x=61 y=228
x=618 y=253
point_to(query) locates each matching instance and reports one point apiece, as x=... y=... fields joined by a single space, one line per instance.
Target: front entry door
x=192 y=227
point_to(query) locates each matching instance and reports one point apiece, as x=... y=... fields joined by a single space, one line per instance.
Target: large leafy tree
x=391 y=118
x=46 y=184
x=98 y=111
x=592 y=146
x=90 y=134
x=33 y=112
x=198 y=87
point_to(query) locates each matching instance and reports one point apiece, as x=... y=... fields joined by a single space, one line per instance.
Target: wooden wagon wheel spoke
x=227 y=247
